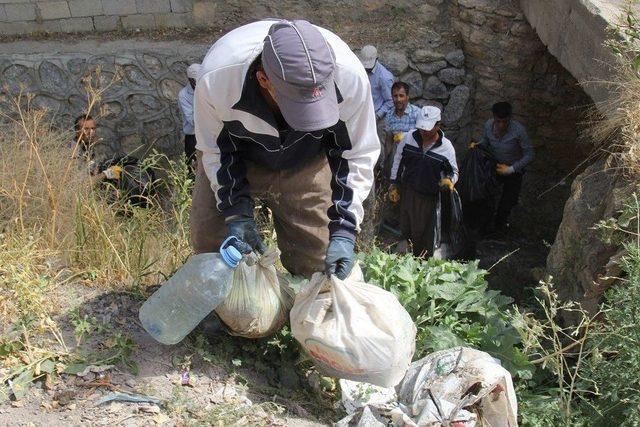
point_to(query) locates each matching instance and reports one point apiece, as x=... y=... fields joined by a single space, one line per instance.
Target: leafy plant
x=626 y=39
x=451 y=305
x=613 y=365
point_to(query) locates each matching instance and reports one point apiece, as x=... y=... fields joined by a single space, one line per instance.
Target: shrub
x=451 y=304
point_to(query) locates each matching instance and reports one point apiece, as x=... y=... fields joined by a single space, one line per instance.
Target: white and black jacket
x=233 y=124
x=422 y=170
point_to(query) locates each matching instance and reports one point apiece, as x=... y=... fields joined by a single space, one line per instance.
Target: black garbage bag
x=478 y=187
x=478 y=180
x=135 y=186
x=450 y=235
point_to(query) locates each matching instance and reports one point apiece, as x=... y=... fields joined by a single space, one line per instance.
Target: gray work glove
x=246 y=230
x=340 y=257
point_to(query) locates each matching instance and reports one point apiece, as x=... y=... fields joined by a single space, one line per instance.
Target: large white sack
x=457 y=378
x=260 y=299
x=353 y=330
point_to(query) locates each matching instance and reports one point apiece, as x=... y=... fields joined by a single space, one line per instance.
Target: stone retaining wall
x=138 y=110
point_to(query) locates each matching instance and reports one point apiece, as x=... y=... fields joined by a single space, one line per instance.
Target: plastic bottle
x=193 y=292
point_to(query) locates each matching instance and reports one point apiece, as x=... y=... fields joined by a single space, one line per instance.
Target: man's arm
x=386 y=81
x=186 y=108
x=352 y=156
x=397 y=158
x=527 y=151
x=221 y=156
x=450 y=154
x=484 y=141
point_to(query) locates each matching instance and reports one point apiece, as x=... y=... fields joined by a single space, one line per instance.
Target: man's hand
x=114 y=172
x=340 y=257
x=394 y=193
x=473 y=145
x=246 y=230
x=446 y=183
x=502 y=169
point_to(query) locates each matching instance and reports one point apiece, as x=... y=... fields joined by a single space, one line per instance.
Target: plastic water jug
x=193 y=292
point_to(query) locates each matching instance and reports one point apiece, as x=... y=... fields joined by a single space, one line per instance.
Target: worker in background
x=283 y=112
x=507 y=140
x=185 y=101
x=424 y=164
x=399 y=119
x=83 y=147
x=380 y=79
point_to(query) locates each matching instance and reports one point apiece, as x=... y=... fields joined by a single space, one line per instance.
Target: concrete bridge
x=574 y=32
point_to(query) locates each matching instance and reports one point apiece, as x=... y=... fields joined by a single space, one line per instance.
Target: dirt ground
x=218 y=393
x=249 y=389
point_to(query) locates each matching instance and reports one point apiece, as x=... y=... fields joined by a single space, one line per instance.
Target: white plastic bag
x=357 y=395
x=459 y=386
x=260 y=299
x=354 y=330
x=454 y=379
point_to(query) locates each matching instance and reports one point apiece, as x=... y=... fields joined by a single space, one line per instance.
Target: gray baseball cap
x=300 y=64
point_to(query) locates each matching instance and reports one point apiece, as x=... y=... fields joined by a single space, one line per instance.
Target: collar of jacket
x=252 y=102
x=416 y=136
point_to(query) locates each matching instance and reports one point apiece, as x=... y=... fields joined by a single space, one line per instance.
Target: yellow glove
x=397 y=137
x=502 y=169
x=114 y=172
x=473 y=145
x=446 y=183
x=394 y=194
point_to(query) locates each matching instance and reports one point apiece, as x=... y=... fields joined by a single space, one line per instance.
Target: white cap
x=368 y=55
x=428 y=117
x=193 y=71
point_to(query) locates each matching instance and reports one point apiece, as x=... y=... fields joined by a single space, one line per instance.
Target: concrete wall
x=76 y=16
x=574 y=32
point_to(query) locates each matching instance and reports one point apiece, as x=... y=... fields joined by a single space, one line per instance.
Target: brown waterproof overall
x=298 y=198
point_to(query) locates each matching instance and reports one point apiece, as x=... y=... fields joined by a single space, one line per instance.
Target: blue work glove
x=340 y=257
x=246 y=230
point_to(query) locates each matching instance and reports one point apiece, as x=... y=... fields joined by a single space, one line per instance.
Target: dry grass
x=53 y=219
x=59 y=230
x=618 y=132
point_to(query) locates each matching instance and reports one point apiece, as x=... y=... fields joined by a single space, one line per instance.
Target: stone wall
x=137 y=109
x=512 y=64
x=436 y=77
x=74 y=16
